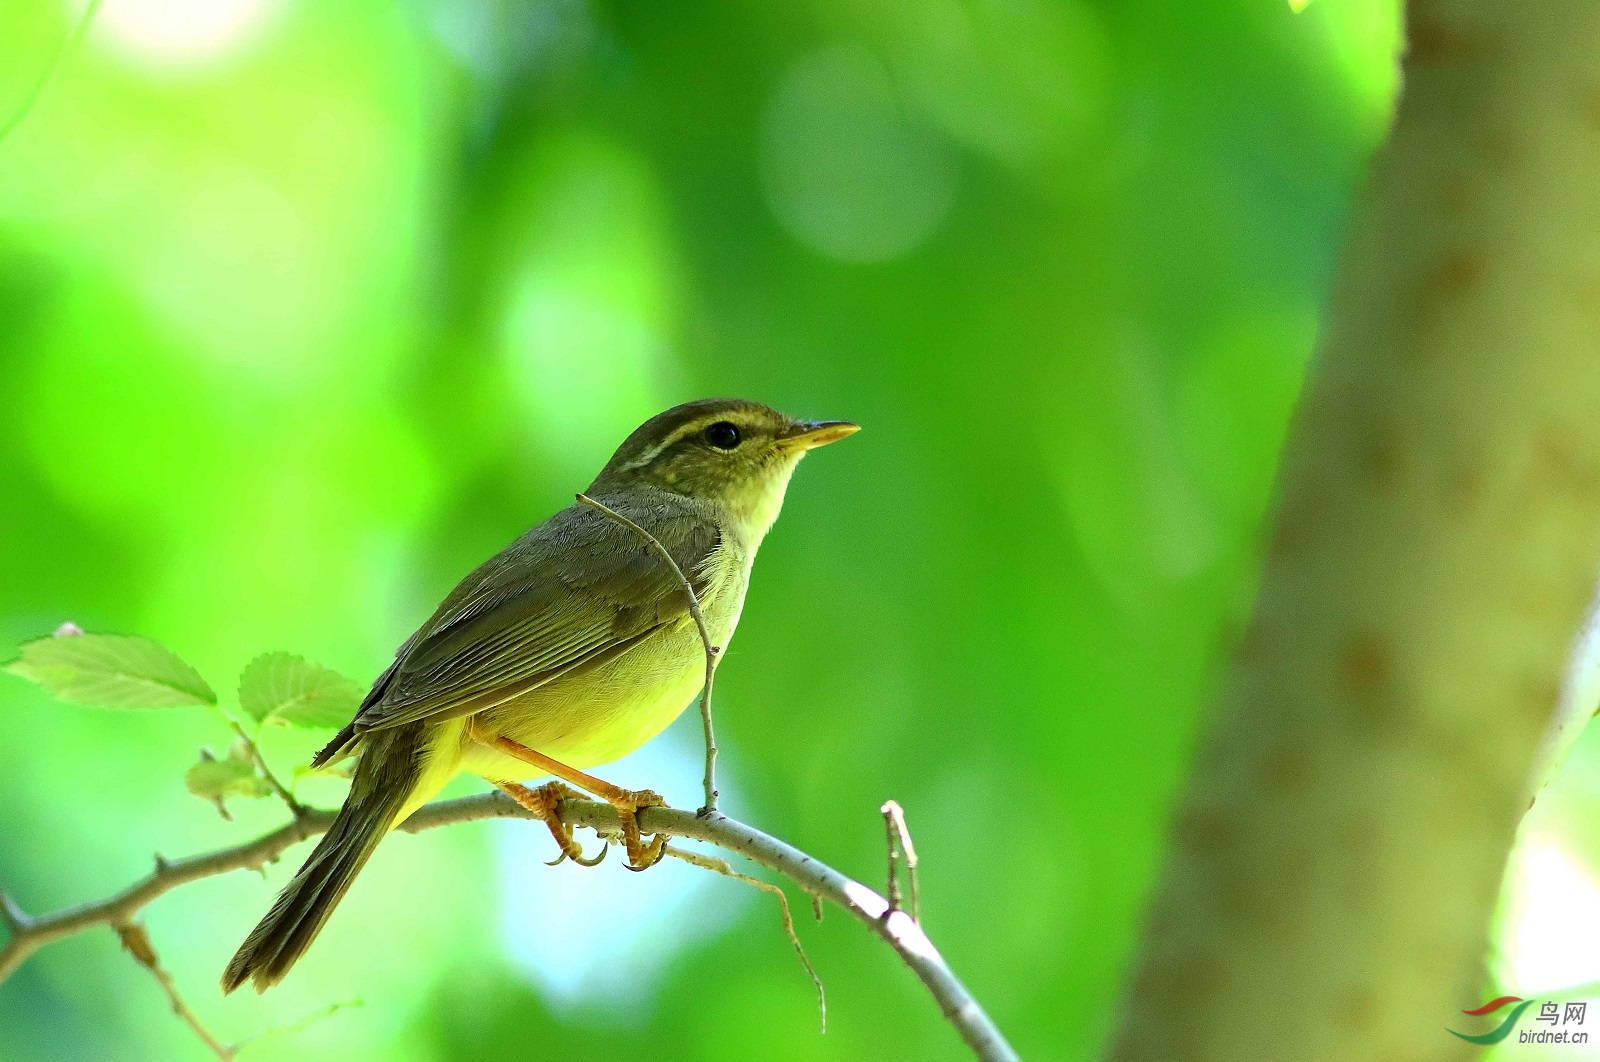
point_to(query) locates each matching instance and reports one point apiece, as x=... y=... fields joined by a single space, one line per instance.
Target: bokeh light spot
x=847 y=169
x=181 y=32
x=589 y=307
x=1552 y=938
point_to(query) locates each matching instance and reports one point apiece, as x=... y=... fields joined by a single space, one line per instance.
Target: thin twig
x=723 y=867
x=136 y=942
x=892 y=878
x=899 y=837
x=253 y=750
x=298 y=1025
x=713 y=652
x=897 y=928
x=12 y=917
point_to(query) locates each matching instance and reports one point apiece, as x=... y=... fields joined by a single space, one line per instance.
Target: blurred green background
x=307 y=308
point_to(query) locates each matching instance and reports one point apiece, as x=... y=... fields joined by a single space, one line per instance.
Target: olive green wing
x=575 y=591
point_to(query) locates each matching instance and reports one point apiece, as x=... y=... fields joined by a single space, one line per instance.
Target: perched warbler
x=570 y=648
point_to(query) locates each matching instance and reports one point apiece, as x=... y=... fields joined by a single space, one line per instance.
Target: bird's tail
x=384 y=780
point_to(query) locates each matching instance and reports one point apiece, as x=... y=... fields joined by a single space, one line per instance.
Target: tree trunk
x=1335 y=860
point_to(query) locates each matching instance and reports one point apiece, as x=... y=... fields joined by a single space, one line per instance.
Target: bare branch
x=136 y=942
x=899 y=839
x=713 y=652
x=897 y=928
x=35 y=933
x=11 y=916
x=722 y=866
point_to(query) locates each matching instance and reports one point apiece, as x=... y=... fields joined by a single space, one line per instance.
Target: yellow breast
x=606 y=712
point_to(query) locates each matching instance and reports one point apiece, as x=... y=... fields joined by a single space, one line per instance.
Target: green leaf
x=111 y=671
x=283 y=688
x=213 y=779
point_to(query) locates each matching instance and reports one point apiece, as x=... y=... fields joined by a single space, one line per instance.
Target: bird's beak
x=810 y=434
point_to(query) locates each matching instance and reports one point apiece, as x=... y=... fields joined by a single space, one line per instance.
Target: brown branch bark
x=1335 y=861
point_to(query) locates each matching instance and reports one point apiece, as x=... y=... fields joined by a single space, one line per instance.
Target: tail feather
x=303 y=907
x=336 y=747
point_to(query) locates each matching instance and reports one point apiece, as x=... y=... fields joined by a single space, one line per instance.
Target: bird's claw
x=657 y=846
x=543 y=802
x=580 y=859
x=641 y=855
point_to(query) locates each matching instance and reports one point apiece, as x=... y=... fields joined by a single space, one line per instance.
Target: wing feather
x=573 y=591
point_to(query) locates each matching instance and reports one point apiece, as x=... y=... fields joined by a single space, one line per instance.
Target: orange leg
x=641 y=856
x=542 y=802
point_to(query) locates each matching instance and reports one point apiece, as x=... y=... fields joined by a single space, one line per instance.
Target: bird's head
x=728 y=451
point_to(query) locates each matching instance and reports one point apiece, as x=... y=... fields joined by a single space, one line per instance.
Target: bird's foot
x=543 y=802
x=642 y=855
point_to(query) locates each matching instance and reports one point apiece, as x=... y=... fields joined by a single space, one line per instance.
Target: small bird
x=570 y=648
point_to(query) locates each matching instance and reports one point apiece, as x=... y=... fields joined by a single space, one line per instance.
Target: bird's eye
x=722 y=435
